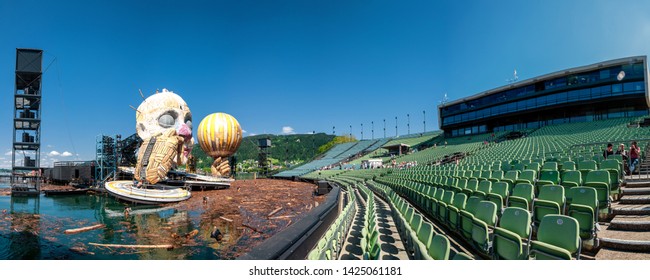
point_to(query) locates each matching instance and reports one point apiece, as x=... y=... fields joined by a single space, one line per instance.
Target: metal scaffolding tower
x=107 y=157
x=25 y=158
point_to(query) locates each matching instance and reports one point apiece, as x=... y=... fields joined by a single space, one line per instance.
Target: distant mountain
x=295 y=147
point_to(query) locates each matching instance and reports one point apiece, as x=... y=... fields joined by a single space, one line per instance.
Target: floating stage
x=155 y=194
x=191 y=181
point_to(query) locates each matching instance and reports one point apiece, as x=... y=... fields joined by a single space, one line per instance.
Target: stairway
x=629 y=230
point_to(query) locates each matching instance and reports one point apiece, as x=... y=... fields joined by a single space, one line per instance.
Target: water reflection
x=33 y=228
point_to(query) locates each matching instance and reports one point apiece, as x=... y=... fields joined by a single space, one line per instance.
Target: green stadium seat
x=425 y=236
x=522 y=196
x=314 y=255
x=498 y=195
x=584 y=208
x=598 y=158
x=548 y=177
x=453 y=210
x=373 y=253
x=472 y=186
x=551 y=166
x=614 y=168
x=485 y=217
x=496 y=176
x=586 y=166
x=511 y=177
x=527 y=176
x=599 y=179
x=519 y=167
x=550 y=201
x=533 y=166
x=483 y=189
x=467 y=216
x=571 y=179
x=462 y=257
x=447 y=199
x=439 y=248
x=485 y=175
x=558 y=238
x=412 y=236
x=568 y=166
x=616 y=157
x=514 y=227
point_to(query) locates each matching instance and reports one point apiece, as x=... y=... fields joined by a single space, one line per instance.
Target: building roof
x=556 y=74
x=388 y=147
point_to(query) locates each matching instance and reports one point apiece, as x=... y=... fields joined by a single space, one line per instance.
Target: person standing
x=621 y=151
x=635 y=151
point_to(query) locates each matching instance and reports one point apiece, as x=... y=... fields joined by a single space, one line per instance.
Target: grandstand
x=498 y=190
x=332 y=157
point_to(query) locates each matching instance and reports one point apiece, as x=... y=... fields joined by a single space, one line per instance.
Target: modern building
x=610 y=89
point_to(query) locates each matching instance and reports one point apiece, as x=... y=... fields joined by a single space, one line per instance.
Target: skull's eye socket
x=189 y=123
x=166 y=120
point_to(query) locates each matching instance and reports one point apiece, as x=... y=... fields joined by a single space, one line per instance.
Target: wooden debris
x=274 y=211
x=83 y=229
x=254 y=229
x=225 y=219
x=192 y=233
x=283 y=217
x=134 y=246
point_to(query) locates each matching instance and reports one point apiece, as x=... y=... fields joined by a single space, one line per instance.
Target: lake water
x=33 y=228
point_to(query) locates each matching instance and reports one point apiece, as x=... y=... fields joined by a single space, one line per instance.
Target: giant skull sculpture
x=164 y=122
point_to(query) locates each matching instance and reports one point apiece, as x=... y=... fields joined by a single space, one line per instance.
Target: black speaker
x=323 y=188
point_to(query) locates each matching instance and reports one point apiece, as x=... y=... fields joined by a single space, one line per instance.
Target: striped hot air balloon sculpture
x=219 y=135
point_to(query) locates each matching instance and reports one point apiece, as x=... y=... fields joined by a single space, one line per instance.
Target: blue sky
x=293 y=66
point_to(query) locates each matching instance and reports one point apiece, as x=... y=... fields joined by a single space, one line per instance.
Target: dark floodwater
x=33 y=228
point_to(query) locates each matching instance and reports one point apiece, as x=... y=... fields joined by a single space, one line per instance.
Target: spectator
x=621 y=151
x=634 y=156
x=609 y=151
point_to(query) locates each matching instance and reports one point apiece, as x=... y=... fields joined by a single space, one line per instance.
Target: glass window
x=573 y=95
x=454 y=132
x=475 y=129
x=606 y=90
x=617 y=88
x=521 y=105
x=604 y=74
x=595 y=92
x=468 y=131
x=628 y=87
x=482 y=128
x=638 y=69
x=471 y=115
x=541 y=101
x=562 y=97
x=639 y=86
x=512 y=107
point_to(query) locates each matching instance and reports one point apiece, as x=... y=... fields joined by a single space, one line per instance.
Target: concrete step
x=631 y=209
x=626 y=245
x=610 y=254
x=638 y=184
x=631 y=241
x=632 y=223
x=635 y=191
x=635 y=199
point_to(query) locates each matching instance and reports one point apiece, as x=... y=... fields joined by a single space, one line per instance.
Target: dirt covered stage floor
x=256 y=209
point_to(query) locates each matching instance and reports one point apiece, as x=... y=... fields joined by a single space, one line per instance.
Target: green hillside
x=290 y=148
